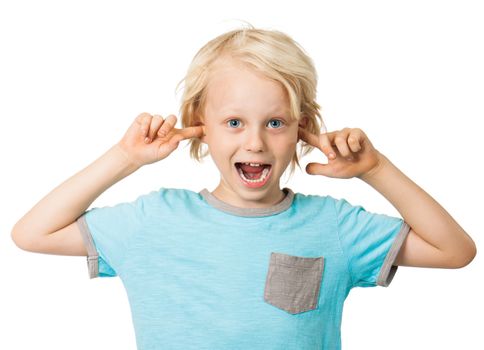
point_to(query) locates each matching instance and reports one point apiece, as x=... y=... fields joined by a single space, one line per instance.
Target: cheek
x=292 y=143
x=219 y=144
x=219 y=149
x=283 y=154
x=291 y=138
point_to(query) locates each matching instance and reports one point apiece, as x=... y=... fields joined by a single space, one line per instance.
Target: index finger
x=322 y=141
x=308 y=137
x=189 y=132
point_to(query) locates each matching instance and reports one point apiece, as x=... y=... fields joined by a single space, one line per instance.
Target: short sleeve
x=371 y=243
x=106 y=232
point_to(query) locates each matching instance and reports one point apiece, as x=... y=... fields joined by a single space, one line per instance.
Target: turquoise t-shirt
x=202 y=274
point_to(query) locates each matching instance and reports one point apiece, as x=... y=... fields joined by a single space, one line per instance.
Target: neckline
x=251 y=212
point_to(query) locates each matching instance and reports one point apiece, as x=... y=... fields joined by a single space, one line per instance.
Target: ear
x=204 y=136
x=303 y=122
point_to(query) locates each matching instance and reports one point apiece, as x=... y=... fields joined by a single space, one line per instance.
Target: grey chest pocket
x=293 y=282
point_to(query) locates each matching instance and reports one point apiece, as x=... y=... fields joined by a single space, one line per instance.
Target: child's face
x=247 y=119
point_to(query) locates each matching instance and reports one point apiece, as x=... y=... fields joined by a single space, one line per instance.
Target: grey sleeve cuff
x=388 y=270
x=92 y=255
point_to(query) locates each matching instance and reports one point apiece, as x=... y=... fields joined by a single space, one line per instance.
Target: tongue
x=251 y=169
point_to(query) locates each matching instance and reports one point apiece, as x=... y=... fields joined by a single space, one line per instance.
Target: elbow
x=471 y=256
x=16 y=238
x=466 y=257
x=21 y=241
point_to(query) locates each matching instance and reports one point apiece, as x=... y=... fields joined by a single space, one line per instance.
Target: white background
x=74 y=75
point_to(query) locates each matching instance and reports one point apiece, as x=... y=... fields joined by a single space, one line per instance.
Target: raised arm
x=50 y=226
x=435 y=238
x=58 y=210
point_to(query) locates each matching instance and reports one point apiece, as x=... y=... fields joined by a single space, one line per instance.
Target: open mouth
x=253 y=174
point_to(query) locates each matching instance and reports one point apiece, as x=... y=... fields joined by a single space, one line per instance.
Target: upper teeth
x=253 y=164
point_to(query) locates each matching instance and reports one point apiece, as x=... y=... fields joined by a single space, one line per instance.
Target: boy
x=248 y=265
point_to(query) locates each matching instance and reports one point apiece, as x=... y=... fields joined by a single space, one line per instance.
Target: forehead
x=233 y=85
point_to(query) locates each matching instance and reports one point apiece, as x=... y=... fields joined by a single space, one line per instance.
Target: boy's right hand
x=163 y=138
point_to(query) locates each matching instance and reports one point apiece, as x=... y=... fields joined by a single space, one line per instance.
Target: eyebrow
x=229 y=110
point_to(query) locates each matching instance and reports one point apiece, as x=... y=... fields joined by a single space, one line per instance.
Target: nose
x=254 y=141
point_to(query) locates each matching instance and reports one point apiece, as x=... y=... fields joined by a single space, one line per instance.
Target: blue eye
x=277 y=122
x=231 y=122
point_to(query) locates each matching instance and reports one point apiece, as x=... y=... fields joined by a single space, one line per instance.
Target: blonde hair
x=270 y=52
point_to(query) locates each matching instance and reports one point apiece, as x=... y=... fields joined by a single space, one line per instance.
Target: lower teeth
x=262 y=178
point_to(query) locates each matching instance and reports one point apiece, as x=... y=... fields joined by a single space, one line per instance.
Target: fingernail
x=332 y=155
x=147 y=140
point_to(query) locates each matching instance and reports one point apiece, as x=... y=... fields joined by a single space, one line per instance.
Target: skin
x=435 y=239
x=246 y=118
x=235 y=92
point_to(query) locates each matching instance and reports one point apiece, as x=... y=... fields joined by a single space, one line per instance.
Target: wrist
x=127 y=162
x=376 y=172
x=130 y=162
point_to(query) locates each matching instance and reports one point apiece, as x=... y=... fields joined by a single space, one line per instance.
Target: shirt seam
x=92 y=251
x=341 y=245
x=395 y=248
x=215 y=203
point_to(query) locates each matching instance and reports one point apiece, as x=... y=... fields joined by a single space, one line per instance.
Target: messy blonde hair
x=276 y=56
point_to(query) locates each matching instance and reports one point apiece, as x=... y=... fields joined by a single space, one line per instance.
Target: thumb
x=318 y=169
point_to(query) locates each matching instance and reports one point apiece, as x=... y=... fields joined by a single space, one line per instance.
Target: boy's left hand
x=349 y=152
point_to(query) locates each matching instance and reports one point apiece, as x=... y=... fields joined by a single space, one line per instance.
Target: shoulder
x=167 y=198
x=315 y=198
x=166 y=194
x=325 y=203
x=314 y=202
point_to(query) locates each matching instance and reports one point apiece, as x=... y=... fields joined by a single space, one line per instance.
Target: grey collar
x=275 y=209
